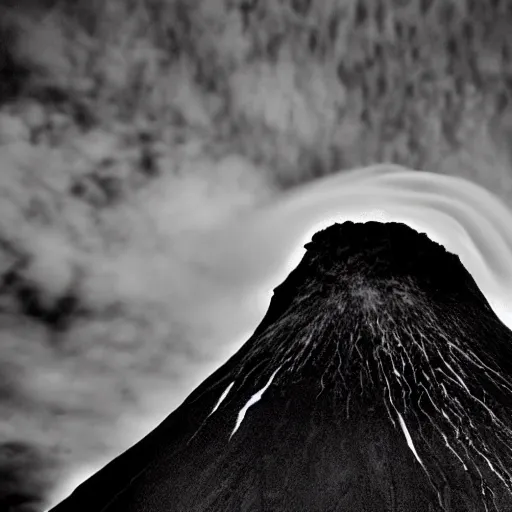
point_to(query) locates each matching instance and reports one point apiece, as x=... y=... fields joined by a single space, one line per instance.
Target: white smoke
x=258 y=252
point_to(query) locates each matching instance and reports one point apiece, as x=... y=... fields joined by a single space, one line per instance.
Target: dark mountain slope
x=377 y=381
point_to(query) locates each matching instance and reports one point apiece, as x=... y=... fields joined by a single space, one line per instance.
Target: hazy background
x=130 y=127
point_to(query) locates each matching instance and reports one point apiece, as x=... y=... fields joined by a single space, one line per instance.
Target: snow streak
x=221 y=399
x=255 y=398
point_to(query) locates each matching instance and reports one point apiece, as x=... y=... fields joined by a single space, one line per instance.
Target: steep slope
x=377 y=381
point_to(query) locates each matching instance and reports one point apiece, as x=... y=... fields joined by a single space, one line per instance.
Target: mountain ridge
x=376 y=381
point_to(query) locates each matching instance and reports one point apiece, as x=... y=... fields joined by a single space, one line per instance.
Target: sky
x=144 y=151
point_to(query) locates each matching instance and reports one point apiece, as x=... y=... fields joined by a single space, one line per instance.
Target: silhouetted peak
x=387 y=270
x=378 y=381
x=371 y=252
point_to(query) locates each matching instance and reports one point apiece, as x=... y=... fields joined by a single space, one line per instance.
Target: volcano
x=380 y=379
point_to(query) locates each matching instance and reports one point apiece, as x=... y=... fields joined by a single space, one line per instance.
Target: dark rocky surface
x=378 y=380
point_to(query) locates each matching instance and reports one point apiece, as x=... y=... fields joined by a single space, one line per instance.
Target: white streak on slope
x=408 y=438
x=223 y=396
x=255 y=398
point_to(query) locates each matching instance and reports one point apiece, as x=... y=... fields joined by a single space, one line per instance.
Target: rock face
x=378 y=381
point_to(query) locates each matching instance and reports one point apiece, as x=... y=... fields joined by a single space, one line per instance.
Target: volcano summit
x=379 y=380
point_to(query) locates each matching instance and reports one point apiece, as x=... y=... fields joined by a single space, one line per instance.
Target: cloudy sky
x=161 y=160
